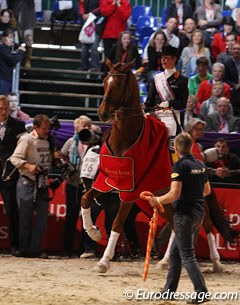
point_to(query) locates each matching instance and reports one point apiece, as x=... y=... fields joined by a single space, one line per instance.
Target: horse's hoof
x=163 y=264
x=101 y=267
x=94 y=233
x=217 y=266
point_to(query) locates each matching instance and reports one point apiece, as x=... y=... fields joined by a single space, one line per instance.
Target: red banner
x=53 y=238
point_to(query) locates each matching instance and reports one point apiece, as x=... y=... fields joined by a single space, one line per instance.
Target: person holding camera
x=33 y=156
x=73 y=151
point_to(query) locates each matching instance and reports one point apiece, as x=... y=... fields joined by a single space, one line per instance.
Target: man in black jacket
x=10 y=131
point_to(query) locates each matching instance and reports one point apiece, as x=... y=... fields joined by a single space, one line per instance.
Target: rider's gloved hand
x=164 y=104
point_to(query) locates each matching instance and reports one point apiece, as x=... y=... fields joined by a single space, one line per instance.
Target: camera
x=42 y=178
x=55 y=124
x=66 y=170
x=91 y=137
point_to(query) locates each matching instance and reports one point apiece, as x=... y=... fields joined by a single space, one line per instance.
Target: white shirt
x=169 y=72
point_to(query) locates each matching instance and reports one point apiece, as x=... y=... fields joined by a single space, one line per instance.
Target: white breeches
x=168 y=119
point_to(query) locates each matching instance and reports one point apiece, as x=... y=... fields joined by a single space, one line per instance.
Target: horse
x=121 y=106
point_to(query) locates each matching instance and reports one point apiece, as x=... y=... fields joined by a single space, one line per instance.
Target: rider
x=169 y=91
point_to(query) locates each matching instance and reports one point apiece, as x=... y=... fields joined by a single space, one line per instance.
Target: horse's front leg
x=91 y=230
x=117 y=228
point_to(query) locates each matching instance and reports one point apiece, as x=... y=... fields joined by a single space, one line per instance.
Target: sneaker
x=93 y=70
x=87 y=255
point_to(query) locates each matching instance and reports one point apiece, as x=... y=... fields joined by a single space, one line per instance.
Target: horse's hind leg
x=91 y=230
x=208 y=228
x=104 y=264
x=164 y=262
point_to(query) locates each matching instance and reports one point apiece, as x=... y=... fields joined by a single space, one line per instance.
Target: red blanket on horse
x=144 y=166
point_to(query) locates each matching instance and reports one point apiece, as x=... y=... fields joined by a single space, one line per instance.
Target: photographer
x=32 y=157
x=73 y=151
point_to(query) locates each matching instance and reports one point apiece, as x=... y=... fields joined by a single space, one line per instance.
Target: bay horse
x=121 y=105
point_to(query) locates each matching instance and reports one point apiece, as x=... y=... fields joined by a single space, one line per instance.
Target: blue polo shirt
x=193 y=175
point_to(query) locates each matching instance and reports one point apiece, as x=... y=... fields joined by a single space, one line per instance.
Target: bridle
x=120 y=105
x=123 y=95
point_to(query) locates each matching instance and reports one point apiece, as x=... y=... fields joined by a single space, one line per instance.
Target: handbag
x=87 y=33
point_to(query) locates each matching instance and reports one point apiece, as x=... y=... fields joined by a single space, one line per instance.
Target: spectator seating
x=39 y=16
x=226 y=13
x=146 y=25
x=71 y=16
x=146 y=31
x=140 y=10
x=164 y=17
x=146 y=21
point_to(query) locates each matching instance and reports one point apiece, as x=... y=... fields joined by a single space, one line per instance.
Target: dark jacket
x=231 y=73
x=235 y=101
x=154 y=63
x=179 y=86
x=232 y=162
x=92 y=6
x=172 y=11
x=8 y=60
x=132 y=53
x=213 y=123
x=8 y=144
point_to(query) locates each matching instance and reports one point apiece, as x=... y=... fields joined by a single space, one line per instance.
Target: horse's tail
x=219 y=220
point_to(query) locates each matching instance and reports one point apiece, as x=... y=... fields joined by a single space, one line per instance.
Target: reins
x=128 y=116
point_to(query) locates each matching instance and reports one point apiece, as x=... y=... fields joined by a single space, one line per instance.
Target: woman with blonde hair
x=192 y=52
x=73 y=151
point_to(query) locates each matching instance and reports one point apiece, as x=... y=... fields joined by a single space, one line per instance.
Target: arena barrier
x=53 y=238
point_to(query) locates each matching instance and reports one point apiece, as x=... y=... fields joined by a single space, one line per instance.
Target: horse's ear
x=108 y=63
x=129 y=65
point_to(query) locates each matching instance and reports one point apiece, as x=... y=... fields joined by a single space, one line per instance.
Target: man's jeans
x=30 y=236
x=94 y=56
x=182 y=251
x=5 y=87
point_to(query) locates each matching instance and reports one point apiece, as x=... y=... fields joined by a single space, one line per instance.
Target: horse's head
x=119 y=87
